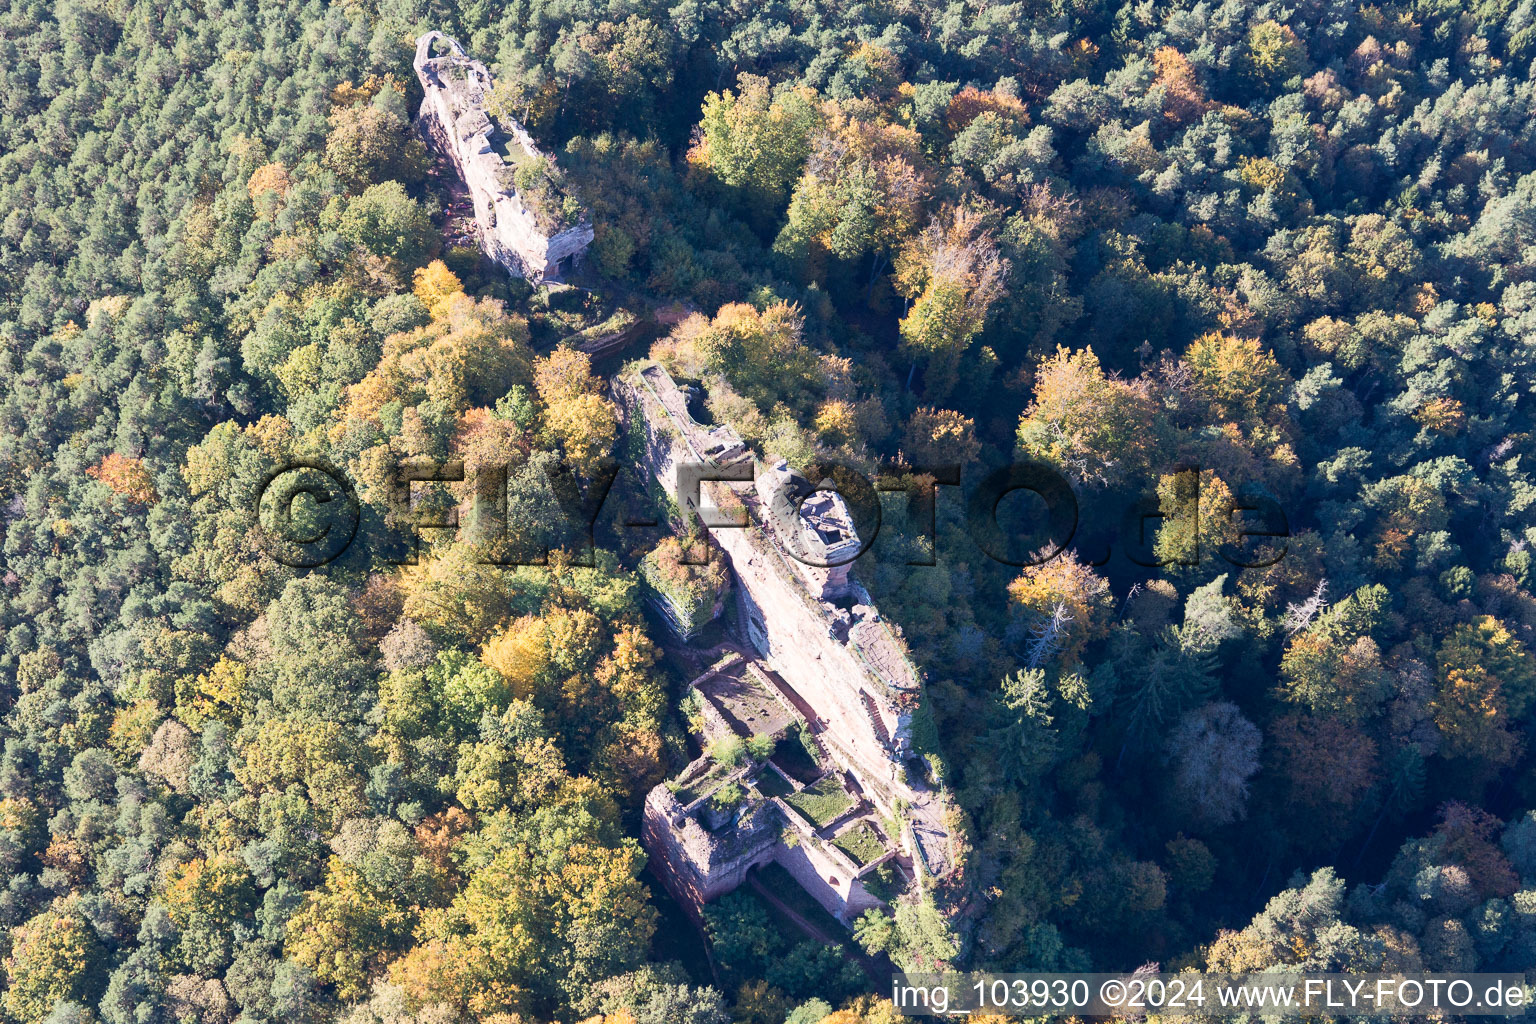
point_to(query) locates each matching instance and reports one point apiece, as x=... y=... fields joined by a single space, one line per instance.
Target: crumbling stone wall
x=698 y=865
x=454 y=120
x=695 y=864
x=828 y=874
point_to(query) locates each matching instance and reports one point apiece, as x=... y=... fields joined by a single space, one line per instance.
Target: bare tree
x=1214 y=751
x=1046 y=637
x=1299 y=616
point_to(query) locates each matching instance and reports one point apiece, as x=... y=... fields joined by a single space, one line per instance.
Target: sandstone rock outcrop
x=532 y=234
x=837 y=665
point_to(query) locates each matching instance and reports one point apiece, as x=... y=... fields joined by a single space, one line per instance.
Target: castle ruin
x=818 y=668
x=521 y=220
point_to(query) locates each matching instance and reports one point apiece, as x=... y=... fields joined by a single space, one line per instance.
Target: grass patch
x=884 y=883
x=703 y=784
x=862 y=843
x=728 y=796
x=822 y=803
x=771 y=783
x=509 y=149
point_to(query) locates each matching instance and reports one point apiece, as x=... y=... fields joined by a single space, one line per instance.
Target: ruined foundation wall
x=838 y=665
x=840 y=893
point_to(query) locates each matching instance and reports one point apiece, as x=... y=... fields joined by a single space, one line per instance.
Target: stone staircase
x=875 y=720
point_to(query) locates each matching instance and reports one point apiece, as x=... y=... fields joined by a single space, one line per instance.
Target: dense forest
x=1188 y=254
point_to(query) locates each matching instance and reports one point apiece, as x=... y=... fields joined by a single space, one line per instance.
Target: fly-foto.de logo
x=308 y=513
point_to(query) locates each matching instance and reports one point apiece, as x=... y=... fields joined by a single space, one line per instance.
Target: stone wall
x=454 y=120
x=839 y=893
x=822 y=870
x=697 y=865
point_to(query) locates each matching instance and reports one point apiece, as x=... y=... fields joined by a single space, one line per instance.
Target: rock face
x=842 y=669
x=531 y=242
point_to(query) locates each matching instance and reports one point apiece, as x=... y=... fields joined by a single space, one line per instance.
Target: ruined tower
x=524 y=219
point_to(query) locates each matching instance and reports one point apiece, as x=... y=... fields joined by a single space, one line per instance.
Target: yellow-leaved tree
x=345 y=930
x=435 y=285
x=576 y=414
x=953 y=272
x=1094 y=427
